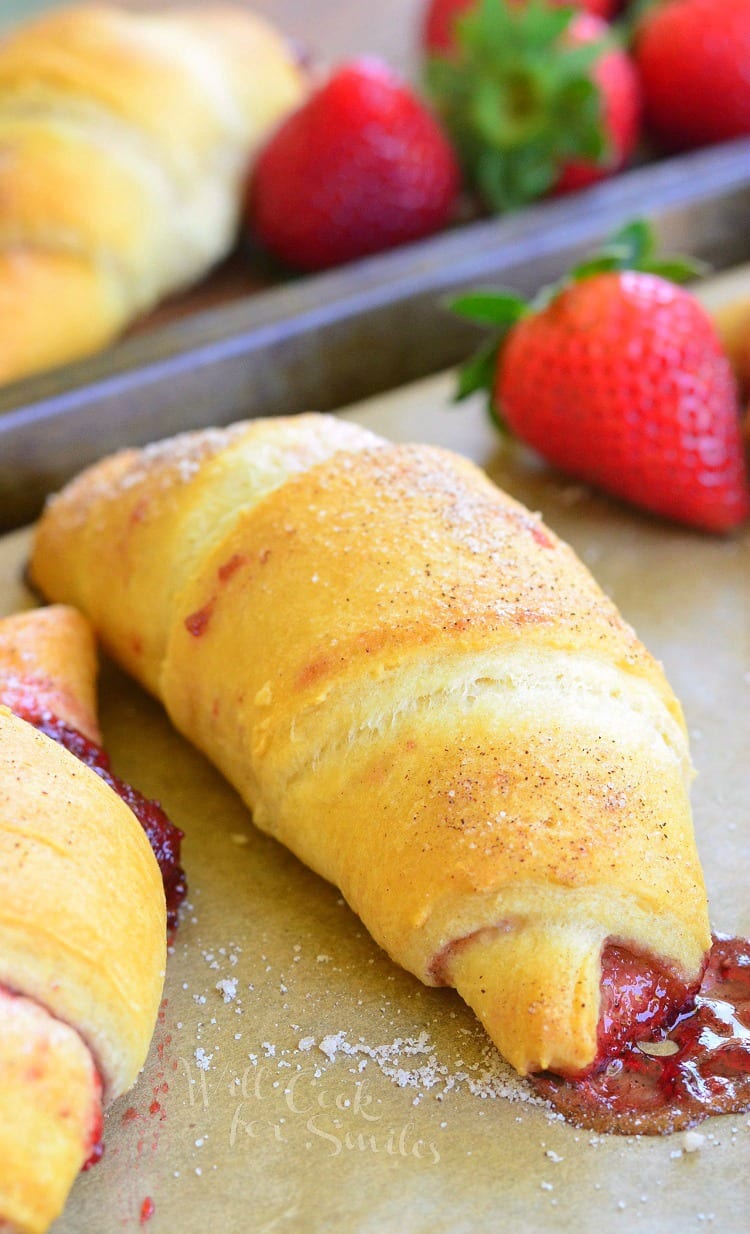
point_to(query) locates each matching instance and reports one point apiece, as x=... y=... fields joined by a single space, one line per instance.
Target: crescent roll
x=82 y=924
x=420 y=690
x=125 y=140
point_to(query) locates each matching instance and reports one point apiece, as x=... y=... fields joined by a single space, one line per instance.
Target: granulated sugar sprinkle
x=412 y=1062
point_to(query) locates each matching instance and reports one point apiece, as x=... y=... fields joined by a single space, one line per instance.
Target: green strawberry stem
x=633 y=247
x=632 y=17
x=517 y=100
x=630 y=248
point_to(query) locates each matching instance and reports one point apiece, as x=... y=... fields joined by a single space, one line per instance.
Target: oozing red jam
x=96 y=1145
x=163 y=836
x=703 y=1064
x=637 y=1000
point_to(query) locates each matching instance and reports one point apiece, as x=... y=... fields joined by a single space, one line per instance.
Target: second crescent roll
x=420 y=690
x=82 y=922
x=125 y=141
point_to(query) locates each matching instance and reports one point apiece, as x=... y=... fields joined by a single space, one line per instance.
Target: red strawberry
x=694 y=61
x=362 y=166
x=619 y=379
x=438 y=31
x=536 y=99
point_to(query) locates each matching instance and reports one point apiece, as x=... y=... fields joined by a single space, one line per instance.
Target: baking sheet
x=298 y=1081
x=246 y=341
x=327 y=340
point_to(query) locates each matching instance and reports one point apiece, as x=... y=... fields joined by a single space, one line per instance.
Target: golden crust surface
x=144 y=516
x=125 y=140
x=423 y=693
x=94 y=956
x=48 y=657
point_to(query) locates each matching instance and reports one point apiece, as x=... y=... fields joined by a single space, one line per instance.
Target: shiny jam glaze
x=162 y=835
x=703 y=1064
x=638 y=1001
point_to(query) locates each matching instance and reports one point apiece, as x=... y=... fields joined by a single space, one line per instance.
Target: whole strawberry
x=362 y=166
x=694 y=61
x=536 y=98
x=618 y=378
x=438 y=32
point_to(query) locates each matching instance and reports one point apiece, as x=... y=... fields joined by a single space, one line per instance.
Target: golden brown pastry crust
x=173 y=502
x=424 y=694
x=49 y=1111
x=125 y=139
x=82 y=927
x=49 y=656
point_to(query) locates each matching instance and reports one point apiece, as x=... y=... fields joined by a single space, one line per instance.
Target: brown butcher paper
x=298 y=1081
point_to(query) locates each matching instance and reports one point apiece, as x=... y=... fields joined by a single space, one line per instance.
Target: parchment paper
x=242 y=1122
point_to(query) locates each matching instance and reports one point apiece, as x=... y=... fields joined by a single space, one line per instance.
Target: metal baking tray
x=328 y=340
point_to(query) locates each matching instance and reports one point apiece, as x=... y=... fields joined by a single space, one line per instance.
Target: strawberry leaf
x=633 y=248
x=631 y=19
x=677 y=269
x=581 y=134
x=601 y=264
x=500 y=310
x=478 y=372
x=518 y=99
x=638 y=237
x=490 y=308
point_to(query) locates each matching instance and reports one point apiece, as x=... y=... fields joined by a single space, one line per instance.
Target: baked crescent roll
x=421 y=691
x=82 y=924
x=125 y=139
x=48 y=661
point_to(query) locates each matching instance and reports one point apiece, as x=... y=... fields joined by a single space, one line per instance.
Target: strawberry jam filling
x=638 y=1002
x=162 y=835
x=36 y=1066
x=95 y=1146
x=668 y=1057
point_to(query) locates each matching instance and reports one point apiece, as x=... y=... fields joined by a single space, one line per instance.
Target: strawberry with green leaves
x=617 y=377
x=537 y=98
